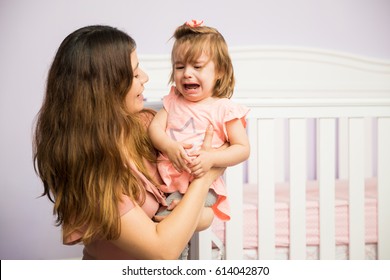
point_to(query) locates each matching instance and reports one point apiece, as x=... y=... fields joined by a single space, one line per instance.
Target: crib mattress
x=312 y=253
x=312 y=214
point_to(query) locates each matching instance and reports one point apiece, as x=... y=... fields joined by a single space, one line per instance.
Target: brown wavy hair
x=189 y=44
x=84 y=134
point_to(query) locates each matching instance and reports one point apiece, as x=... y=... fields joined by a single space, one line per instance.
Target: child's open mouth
x=191 y=86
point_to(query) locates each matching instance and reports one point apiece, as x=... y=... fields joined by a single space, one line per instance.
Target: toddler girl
x=203 y=82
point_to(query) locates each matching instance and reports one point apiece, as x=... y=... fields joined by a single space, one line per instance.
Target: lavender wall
x=30 y=32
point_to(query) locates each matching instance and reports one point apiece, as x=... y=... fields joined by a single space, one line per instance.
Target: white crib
x=319 y=129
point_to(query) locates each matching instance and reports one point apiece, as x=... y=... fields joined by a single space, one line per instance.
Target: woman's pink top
x=104 y=249
x=187 y=122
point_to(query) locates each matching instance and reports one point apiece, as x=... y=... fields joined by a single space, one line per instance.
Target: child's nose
x=187 y=72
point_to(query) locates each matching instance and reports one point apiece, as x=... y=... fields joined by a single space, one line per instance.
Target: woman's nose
x=144 y=77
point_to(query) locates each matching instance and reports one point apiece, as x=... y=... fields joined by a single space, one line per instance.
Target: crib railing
x=342 y=148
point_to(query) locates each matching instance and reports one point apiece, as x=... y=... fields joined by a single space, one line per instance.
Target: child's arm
x=237 y=152
x=175 y=151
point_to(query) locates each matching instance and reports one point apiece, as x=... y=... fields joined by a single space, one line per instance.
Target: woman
x=95 y=159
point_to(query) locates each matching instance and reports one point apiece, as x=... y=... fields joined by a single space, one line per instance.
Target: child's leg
x=173 y=196
x=211 y=198
x=184 y=253
x=210 y=201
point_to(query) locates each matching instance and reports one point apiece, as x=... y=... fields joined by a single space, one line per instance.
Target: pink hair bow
x=194 y=23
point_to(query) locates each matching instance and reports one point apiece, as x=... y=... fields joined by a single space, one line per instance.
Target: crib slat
x=343 y=148
x=266 y=193
x=281 y=164
x=298 y=188
x=252 y=160
x=234 y=228
x=281 y=151
x=326 y=180
x=356 y=189
x=368 y=142
x=200 y=248
x=383 y=188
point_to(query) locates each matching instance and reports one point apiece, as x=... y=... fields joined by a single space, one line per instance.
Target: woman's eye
x=179 y=67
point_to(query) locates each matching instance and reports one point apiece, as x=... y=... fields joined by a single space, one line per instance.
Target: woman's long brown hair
x=85 y=135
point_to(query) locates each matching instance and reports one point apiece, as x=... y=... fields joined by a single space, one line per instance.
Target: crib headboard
x=302 y=81
x=343 y=99
x=286 y=72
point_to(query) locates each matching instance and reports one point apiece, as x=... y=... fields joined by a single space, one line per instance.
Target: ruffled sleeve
x=230 y=111
x=170 y=99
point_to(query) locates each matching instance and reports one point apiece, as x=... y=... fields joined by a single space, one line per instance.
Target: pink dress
x=187 y=122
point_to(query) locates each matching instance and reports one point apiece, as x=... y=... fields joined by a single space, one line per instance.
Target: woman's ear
x=218 y=76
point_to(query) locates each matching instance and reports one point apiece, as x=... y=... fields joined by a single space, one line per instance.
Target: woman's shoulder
x=124 y=206
x=146 y=116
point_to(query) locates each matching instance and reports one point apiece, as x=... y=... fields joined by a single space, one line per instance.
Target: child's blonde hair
x=191 y=42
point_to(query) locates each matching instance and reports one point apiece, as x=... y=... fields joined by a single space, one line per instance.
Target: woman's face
x=134 y=98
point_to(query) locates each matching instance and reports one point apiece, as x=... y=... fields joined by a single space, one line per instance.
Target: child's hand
x=203 y=160
x=201 y=164
x=178 y=156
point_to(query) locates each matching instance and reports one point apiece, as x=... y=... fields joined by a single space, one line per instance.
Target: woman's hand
x=205 y=158
x=170 y=207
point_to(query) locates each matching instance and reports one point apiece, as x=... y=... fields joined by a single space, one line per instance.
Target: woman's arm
x=205 y=220
x=145 y=239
